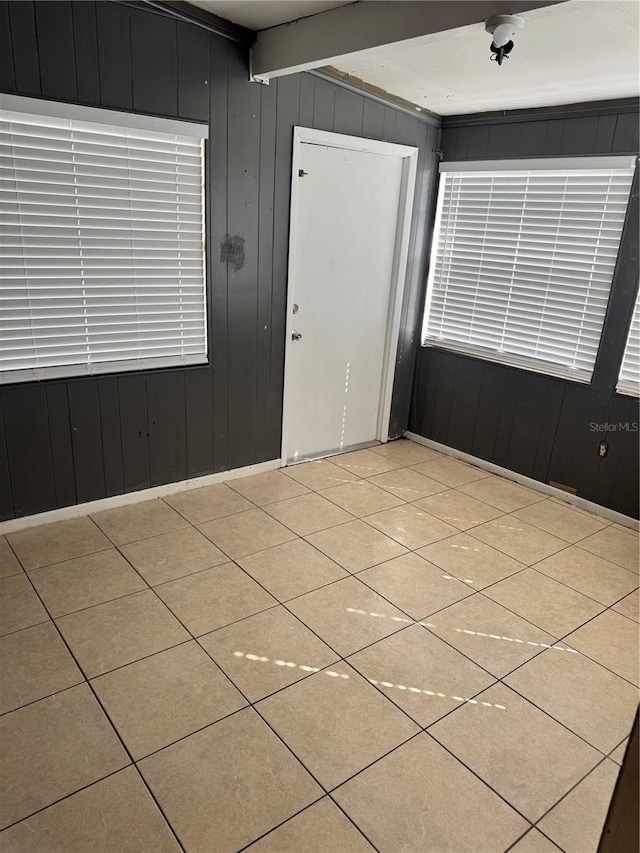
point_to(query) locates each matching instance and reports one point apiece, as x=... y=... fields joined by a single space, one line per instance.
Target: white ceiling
x=260 y=14
x=581 y=50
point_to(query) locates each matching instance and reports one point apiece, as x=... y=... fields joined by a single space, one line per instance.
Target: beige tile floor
x=389 y=650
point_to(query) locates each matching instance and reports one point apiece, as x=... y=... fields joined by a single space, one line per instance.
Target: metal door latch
x=296 y=336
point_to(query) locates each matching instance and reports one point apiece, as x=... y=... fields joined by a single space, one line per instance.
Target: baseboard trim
x=76 y=510
x=543 y=488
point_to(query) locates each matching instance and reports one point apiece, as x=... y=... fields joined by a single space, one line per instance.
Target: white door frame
x=409 y=156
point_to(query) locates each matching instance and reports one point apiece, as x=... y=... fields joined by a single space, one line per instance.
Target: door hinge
x=302 y=173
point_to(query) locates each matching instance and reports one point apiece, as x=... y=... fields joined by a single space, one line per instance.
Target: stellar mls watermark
x=613 y=427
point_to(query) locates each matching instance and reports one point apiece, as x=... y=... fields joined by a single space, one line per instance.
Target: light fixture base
x=513 y=21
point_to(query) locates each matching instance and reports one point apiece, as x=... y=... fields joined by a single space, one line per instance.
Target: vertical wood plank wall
x=527 y=422
x=66 y=442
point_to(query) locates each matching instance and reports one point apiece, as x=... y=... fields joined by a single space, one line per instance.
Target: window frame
x=634 y=329
x=126 y=121
x=512 y=360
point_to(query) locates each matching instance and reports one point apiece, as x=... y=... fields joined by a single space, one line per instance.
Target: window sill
x=507 y=362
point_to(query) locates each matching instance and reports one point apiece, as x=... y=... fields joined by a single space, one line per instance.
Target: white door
x=349 y=217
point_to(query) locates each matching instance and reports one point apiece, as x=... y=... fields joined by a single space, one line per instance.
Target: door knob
x=296 y=336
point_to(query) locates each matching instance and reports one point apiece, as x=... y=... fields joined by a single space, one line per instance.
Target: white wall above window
x=523 y=259
x=102 y=241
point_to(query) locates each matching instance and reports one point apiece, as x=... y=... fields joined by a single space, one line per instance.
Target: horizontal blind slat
x=629 y=377
x=102 y=235
x=522 y=262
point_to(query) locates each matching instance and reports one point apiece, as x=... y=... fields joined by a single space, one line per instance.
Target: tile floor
x=388 y=650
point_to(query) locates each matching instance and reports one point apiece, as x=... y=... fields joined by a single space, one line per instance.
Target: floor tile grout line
x=257 y=506
x=563 y=638
x=619 y=613
x=398 y=630
x=469 y=532
x=332 y=789
x=398 y=468
x=200 y=729
x=623 y=742
x=583 y=654
x=376 y=641
x=571 y=789
x=189 y=639
x=592 y=619
x=340 y=657
x=543 y=650
x=346 y=661
x=535 y=568
x=555 y=843
x=281 y=824
x=532 y=568
x=253 y=707
x=346 y=658
x=325 y=796
x=119 y=545
x=59 y=562
x=25 y=627
x=232 y=560
x=605 y=522
x=470 y=593
x=352 y=821
x=555 y=719
x=67 y=797
x=329 y=791
x=357 y=671
x=512 y=512
x=531 y=829
x=109 y=721
x=513 y=612
x=483 y=781
x=343 y=659
x=433 y=722
x=191 y=635
x=180 y=577
x=306 y=626
x=47 y=696
x=227 y=677
x=99 y=603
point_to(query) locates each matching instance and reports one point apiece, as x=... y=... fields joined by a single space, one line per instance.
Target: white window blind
x=523 y=257
x=629 y=378
x=102 y=241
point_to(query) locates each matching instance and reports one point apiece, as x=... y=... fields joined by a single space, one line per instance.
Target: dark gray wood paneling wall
x=528 y=422
x=66 y=442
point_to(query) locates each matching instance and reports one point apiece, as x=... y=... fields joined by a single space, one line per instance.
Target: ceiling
x=260 y=14
x=573 y=52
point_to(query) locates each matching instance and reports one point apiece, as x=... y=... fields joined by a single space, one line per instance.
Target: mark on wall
x=232 y=252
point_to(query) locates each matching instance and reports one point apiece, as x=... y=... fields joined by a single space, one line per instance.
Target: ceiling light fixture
x=502 y=28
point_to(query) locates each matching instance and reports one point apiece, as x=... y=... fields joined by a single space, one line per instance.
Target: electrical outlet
x=603 y=450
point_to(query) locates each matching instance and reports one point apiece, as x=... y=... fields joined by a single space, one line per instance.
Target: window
x=102 y=241
x=629 y=378
x=523 y=257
